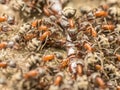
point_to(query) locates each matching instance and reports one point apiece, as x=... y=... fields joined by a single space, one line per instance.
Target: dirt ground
x=21 y=56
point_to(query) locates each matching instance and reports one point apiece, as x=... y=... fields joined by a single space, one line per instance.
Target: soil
x=23 y=56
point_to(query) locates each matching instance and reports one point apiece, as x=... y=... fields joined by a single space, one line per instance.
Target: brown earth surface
x=25 y=56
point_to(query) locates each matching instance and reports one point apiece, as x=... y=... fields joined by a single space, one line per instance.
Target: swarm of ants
x=61 y=50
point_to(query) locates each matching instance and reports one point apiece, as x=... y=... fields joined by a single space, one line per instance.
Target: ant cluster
x=64 y=51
